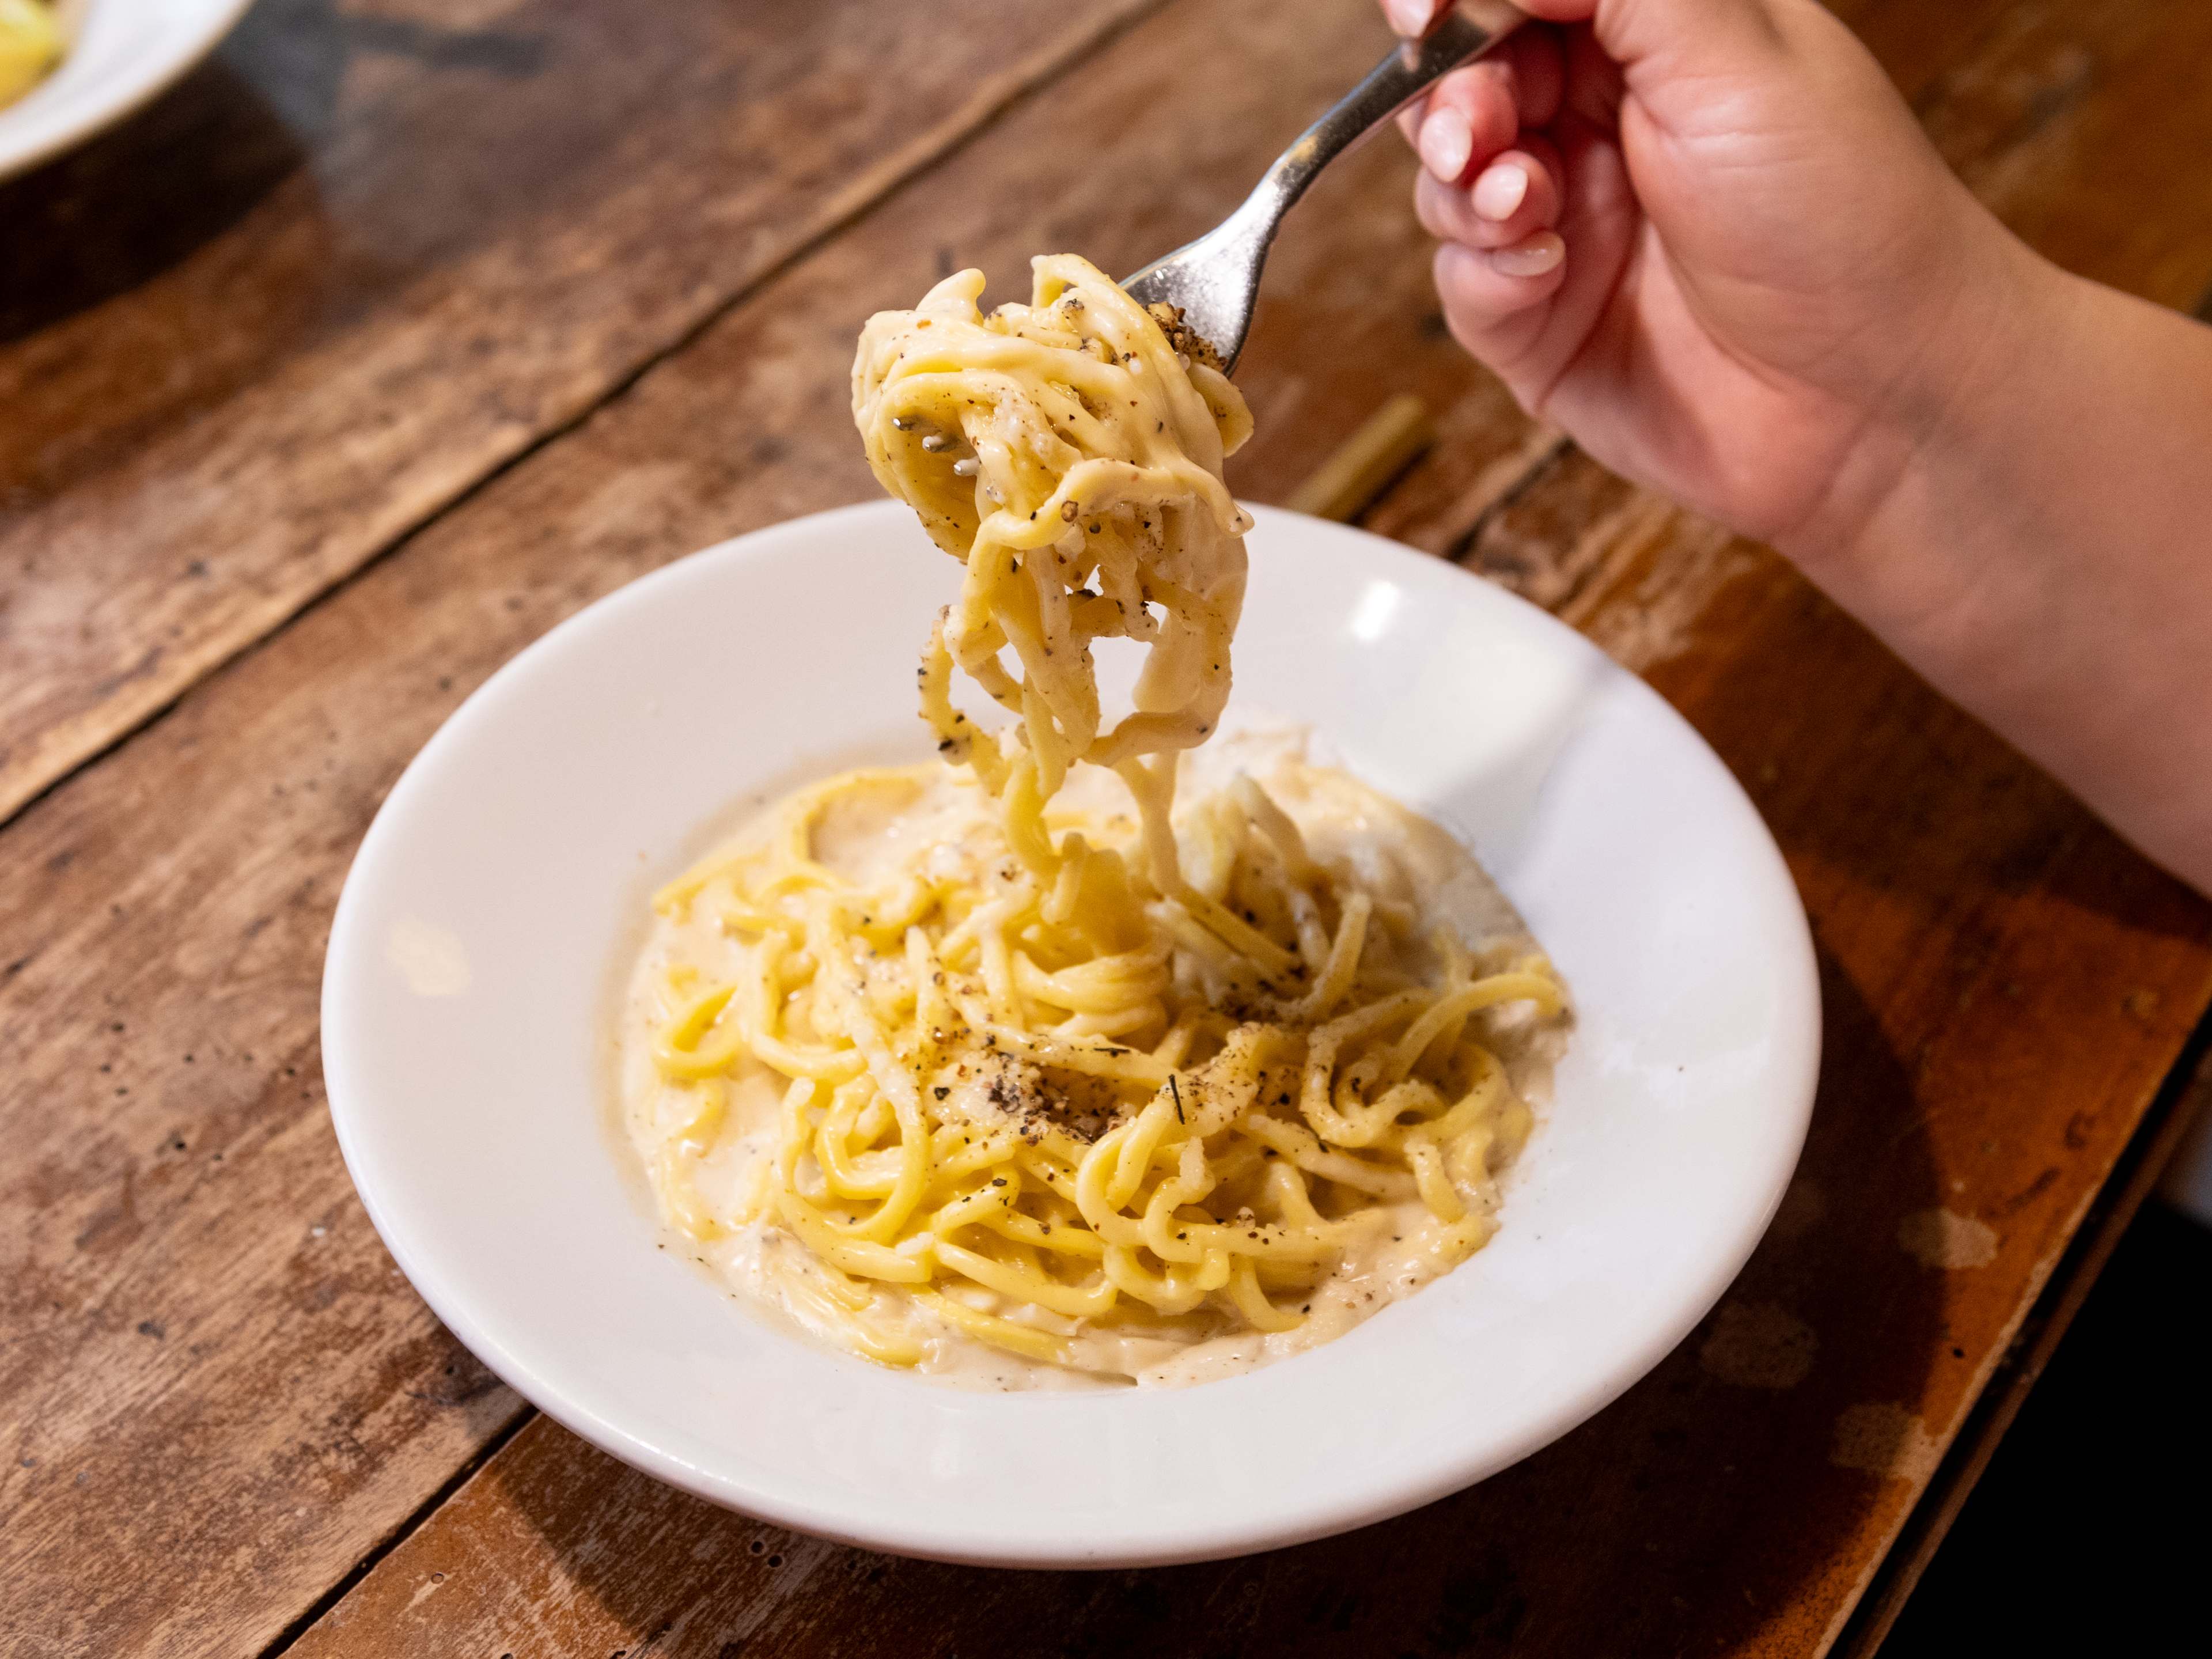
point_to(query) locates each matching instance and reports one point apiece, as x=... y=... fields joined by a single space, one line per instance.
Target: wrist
x=1967 y=371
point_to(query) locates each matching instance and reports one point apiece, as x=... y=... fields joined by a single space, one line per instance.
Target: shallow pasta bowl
x=469 y=996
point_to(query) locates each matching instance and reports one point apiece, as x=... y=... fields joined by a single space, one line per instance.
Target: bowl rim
x=31 y=135
x=1009 y=1543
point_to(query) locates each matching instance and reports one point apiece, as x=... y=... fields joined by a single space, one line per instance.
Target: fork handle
x=1464 y=31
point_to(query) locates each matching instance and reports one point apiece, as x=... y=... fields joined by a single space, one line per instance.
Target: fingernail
x=1533 y=258
x=1500 y=191
x=1408 y=16
x=1446 y=140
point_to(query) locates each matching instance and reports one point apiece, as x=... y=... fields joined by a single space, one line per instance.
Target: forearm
x=2042 y=552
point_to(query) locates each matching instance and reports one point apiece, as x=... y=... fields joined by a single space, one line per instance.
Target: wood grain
x=223 y=1396
x=370 y=255
x=2005 y=984
x=2182 y=1103
x=2073 y=128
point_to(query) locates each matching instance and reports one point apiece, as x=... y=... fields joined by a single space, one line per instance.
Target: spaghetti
x=966 y=1058
x=31 y=40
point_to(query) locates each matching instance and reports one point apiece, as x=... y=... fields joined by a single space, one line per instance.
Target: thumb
x=1685 y=31
x=1682 y=32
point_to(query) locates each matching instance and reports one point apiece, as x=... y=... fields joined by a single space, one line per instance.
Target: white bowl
x=469 y=993
x=121 y=54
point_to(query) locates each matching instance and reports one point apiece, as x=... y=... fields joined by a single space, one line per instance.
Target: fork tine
x=1215 y=280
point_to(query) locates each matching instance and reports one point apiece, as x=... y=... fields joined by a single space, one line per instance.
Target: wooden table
x=401 y=331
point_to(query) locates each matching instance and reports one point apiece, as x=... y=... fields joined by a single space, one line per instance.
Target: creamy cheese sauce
x=1414 y=869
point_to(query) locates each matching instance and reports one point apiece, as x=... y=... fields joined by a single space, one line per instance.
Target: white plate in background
x=122 y=53
x=468 y=1004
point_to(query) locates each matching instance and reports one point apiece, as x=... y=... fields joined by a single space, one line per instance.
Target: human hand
x=1707 y=238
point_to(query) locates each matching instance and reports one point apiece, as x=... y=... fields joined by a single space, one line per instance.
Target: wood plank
x=347 y=693
x=368 y=256
x=2006 y=986
x=220 y=1382
x=2059 y=210
x=2071 y=128
x=2182 y=1104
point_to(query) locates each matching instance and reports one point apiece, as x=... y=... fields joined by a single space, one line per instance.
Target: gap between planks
x=1506 y=481
x=86 y=738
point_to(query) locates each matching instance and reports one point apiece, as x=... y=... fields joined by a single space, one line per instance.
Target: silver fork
x=1215 y=281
